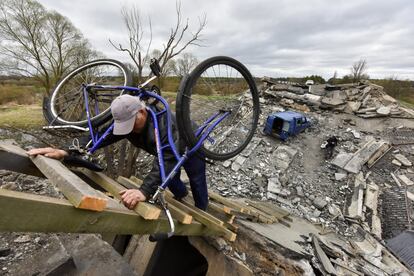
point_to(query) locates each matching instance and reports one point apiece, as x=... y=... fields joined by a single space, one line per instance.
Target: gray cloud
x=276 y=38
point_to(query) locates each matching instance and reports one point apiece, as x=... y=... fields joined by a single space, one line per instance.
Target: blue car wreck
x=285 y=124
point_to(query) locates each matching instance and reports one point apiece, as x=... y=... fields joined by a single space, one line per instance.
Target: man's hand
x=48 y=152
x=131 y=197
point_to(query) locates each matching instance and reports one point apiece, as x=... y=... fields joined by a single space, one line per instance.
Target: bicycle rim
x=67 y=104
x=224 y=88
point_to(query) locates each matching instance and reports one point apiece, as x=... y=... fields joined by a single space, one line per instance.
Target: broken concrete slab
x=352 y=107
x=354 y=162
x=319 y=203
x=51 y=260
x=93 y=256
x=341 y=159
x=405 y=180
x=238 y=163
x=283 y=156
x=396 y=162
x=274 y=186
x=340 y=176
x=384 y=110
x=355 y=208
x=323 y=258
x=403 y=160
x=251 y=147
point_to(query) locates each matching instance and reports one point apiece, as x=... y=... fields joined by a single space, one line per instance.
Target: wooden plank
x=13 y=158
x=226 y=202
x=179 y=214
x=261 y=216
x=136 y=180
x=204 y=218
x=176 y=212
x=277 y=210
x=23 y=212
x=80 y=194
x=220 y=208
x=127 y=183
x=266 y=209
x=218 y=213
x=144 y=209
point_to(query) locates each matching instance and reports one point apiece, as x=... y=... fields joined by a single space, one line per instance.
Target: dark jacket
x=146 y=141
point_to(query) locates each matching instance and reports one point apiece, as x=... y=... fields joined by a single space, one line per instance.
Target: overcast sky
x=274 y=38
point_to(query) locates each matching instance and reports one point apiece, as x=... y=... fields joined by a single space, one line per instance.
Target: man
x=132 y=121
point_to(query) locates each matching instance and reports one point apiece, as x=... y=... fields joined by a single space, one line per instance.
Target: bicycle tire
x=70 y=87
x=222 y=97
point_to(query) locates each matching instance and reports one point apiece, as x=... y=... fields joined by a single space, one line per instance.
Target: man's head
x=129 y=114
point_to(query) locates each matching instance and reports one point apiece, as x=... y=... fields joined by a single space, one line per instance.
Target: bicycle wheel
x=67 y=102
x=219 y=85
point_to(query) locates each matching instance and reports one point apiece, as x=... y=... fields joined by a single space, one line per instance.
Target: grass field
x=22 y=116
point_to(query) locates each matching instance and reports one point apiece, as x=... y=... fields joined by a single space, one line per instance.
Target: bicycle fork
x=159 y=198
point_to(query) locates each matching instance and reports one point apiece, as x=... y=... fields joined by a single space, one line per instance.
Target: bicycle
x=220 y=96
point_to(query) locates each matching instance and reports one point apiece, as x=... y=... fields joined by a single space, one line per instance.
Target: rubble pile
x=364 y=99
x=363 y=194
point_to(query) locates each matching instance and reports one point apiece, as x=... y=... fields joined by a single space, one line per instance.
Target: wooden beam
x=13 y=158
x=176 y=212
x=226 y=202
x=270 y=209
x=220 y=208
x=23 y=212
x=205 y=218
x=136 y=180
x=218 y=212
x=127 y=183
x=144 y=209
x=80 y=194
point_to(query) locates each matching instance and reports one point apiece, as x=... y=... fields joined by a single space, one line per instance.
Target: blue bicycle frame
x=202 y=132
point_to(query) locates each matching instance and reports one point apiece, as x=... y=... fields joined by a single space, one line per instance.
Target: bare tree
x=179 y=39
x=137 y=49
x=176 y=43
x=40 y=44
x=358 y=70
x=185 y=64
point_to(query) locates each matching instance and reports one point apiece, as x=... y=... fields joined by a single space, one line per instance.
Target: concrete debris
x=403 y=160
x=405 y=180
x=365 y=99
x=22 y=239
x=283 y=156
x=330 y=197
x=355 y=208
x=396 y=162
x=323 y=258
x=384 y=110
x=340 y=176
x=320 y=203
x=354 y=162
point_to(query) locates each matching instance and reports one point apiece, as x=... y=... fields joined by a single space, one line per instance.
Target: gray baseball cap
x=124 y=109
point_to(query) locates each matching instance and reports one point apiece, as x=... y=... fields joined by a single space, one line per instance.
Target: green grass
x=22 y=116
